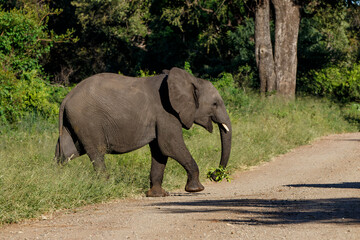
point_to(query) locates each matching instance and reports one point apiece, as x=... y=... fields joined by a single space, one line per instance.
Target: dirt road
x=312 y=192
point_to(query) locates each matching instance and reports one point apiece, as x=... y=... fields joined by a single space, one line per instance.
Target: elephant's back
x=103 y=81
x=108 y=92
x=115 y=106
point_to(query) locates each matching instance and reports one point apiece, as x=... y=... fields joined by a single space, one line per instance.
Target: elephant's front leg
x=158 y=164
x=186 y=160
x=172 y=144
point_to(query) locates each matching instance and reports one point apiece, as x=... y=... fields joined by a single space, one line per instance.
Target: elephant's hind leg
x=98 y=161
x=158 y=164
x=94 y=143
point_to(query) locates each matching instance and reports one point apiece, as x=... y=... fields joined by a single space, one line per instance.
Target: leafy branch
x=218 y=174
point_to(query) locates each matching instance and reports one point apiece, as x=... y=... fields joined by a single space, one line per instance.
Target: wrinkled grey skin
x=112 y=114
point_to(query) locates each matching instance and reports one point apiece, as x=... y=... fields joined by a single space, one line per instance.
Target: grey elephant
x=113 y=114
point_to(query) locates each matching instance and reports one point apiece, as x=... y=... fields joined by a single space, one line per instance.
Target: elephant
x=110 y=113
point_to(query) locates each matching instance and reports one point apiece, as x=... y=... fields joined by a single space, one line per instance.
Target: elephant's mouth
x=221 y=124
x=207 y=124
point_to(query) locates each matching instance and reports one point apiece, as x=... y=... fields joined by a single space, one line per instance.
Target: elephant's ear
x=183 y=95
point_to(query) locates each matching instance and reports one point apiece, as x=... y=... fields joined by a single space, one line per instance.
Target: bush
x=341 y=84
x=9 y=97
x=225 y=80
x=234 y=97
x=24 y=42
x=29 y=94
x=352 y=114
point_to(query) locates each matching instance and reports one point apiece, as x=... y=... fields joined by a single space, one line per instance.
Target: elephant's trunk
x=225 y=135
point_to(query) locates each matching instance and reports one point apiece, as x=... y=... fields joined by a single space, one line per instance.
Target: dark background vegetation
x=46 y=46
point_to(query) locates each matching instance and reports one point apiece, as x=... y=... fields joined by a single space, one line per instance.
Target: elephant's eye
x=215 y=104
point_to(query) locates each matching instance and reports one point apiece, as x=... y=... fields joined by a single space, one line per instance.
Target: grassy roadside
x=31 y=184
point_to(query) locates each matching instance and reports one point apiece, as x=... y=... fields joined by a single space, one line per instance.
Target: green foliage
x=111 y=37
x=24 y=43
x=25 y=38
x=241 y=43
x=218 y=174
x=339 y=83
x=118 y=19
x=352 y=113
x=328 y=38
x=206 y=32
x=187 y=67
x=127 y=36
x=328 y=52
x=234 y=97
x=28 y=94
x=20 y=43
x=224 y=80
x=9 y=97
x=146 y=73
x=246 y=77
x=333 y=26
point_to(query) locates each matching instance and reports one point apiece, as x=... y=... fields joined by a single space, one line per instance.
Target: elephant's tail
x=61 y=118
x=62 y=110
x=58 y=151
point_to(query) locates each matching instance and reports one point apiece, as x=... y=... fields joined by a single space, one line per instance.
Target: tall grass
x=31 y=183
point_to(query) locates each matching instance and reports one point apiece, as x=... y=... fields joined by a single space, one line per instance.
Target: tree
x=24 y=44
x=127 y=36
x=111 y=37
x=263 y=47
x=277 y=66
x=212 y=35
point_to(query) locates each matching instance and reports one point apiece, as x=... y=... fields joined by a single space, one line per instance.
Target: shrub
x=24 y=42
x=342 y=84
x=9 y=97
x=352 y=113
x=234 y=97
x=225 y=80
x=27 y=94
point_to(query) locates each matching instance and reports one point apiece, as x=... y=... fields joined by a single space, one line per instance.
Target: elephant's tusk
x=226 y=127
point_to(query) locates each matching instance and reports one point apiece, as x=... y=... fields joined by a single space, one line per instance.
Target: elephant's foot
x=103 y=175
x=194 y=186
x=157 y=192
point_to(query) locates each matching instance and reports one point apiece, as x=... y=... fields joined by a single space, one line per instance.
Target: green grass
x=31 y=183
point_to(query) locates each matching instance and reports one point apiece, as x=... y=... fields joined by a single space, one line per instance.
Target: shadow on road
x=273 y=211
x=354 y=185
x=349 y=140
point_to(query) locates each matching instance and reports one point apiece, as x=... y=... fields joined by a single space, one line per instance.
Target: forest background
x=48 y=46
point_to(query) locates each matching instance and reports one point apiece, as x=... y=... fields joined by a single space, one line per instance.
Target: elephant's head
x=197 y=101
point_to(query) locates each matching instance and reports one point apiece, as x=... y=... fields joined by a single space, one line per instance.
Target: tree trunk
x=263 y=47
x=286 y=37
x=277 y=71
